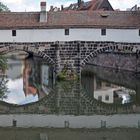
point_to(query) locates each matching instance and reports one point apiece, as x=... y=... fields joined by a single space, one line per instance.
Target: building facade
x=70 y=25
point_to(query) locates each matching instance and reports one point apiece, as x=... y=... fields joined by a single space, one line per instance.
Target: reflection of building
x=28 y=86
x=109 y=93
x=98 y=89
x=36 y=78
x=123 y=96
x=44 y=78
x=105 y=91
x=105 y=96
x=44 y=75
x=14 y=69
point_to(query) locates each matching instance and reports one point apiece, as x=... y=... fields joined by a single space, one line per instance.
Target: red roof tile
x=91 y=5
x=114 y=19
x=62 y=19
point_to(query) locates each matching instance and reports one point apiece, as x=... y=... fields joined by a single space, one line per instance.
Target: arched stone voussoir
x=95 y=53
x=28 y=49
x=48 y=59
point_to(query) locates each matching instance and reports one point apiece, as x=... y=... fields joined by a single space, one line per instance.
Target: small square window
x=103 y=31
x=107 y=98
x=100 y=98
x=13 y=32
x=66 y=31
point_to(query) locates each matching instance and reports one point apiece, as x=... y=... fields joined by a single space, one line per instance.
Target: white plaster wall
x=129 y=120
x=85 y=34
x=117 y=35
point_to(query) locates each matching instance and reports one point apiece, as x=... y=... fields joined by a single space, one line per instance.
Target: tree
x=3 y=8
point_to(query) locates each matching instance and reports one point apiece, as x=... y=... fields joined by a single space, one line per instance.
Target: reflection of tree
x=3 y=63
x=3 y=88
x=3 y=81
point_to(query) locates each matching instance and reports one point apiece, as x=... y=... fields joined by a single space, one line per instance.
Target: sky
x=16 y=94
x=34 y=5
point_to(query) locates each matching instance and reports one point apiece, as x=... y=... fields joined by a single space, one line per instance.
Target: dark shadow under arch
x=29 y=50
x=101 y=50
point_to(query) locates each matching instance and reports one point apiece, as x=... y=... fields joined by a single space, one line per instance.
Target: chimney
x=62 y=8
x=79 y=3
x=43 y=13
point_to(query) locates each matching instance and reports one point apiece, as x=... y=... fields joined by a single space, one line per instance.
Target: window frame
x=14 y=33
x=100 y=98
x=107 y=97
x=103 y=31
x=67 y=31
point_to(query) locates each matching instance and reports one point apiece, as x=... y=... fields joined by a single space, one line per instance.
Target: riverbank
x=69 y=134
x=70 y=121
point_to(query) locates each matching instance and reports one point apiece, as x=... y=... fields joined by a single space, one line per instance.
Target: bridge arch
x=28 y=49
x=101 y=50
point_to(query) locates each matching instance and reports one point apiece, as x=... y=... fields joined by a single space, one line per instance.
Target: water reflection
x=105 y=91
x=100 y=91
x=68 y=134
x=3 y=88
x=110 y=86
x=27 y=81
x=99 y=98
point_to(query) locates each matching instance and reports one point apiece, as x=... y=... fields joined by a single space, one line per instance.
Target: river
x=31 y=97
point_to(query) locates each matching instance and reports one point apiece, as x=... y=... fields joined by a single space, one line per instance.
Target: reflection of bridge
x=120 y=78
x=76 y=53
x=67 y=99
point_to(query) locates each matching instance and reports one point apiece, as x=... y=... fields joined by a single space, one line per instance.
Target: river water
x=102 y=98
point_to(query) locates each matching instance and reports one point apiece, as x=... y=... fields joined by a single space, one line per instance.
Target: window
x=100 y=98
x=103 y=31
x=139 y=32
x=66 y=31
x=107 y=98
x=13 y=32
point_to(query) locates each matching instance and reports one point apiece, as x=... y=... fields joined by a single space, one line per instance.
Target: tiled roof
x=96 y=19
x=17 y=19
x=90 y=5
x=63 y=19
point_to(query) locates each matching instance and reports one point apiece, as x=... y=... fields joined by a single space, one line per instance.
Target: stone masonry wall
x=120 y=61
x=74 y=53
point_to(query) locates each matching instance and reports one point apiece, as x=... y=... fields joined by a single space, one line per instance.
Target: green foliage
x=61 y=76
x=3 y=8
x=3 y=88
x=66 y=74
x=3 y=81
x=3 y=63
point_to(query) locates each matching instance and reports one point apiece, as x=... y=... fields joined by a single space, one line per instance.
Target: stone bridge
x=74 y=53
